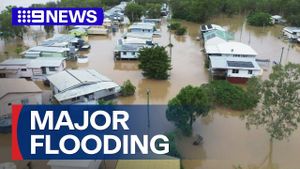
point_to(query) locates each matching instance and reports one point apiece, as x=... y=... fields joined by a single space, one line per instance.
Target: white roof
x=17 y=86
x=142 y=25
x=134 y=41
x=277 y=17
x=139 y=35
x=219 y=62
x=48 y=49
x=292 y=29
x=74 y=83
x=71 y=163
x=32 y=63
x=236 y=48
x=214 y=41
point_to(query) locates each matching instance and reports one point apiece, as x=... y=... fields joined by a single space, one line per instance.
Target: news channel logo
x=57 y=16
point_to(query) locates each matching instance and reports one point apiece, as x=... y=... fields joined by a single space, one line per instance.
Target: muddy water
x=226 y=140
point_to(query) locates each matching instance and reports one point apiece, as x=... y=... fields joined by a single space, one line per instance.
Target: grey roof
x=47 y=49
x=292 y=29
x=33 y=63
x=59 y=38
x=75 y=83
x=243 y=64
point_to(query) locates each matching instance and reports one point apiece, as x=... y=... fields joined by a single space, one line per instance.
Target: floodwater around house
x=227 y=142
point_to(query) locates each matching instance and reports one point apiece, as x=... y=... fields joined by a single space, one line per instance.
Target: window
x=250 y=72
x=9 y=104
x=124 y=53
x=236 y=71
x=111 y=89
x=23 y=70
x=2 y=75
x=52 y=68
x=133 y=53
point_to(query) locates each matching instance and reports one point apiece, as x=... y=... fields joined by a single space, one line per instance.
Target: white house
x=17 y=91
x=142 y=27
x=46 y=51
x=73 y=86
x=210 y=27
x=234 y=69
x=276 y=19
x=230 y=49
x=128 y=47
x=35 y=69
x=292 y=33
x=216 y=37
x=74 y=164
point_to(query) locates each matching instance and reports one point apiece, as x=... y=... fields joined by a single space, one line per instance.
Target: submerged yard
x=227 y=142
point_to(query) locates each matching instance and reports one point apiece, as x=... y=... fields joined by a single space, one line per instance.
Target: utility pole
x=282 y=49
x=148 y=108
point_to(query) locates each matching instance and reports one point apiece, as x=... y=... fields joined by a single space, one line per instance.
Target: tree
x=153 y=10
x=180 y=31
x=280 y=109
x=49 y=29
x=7 y=29
x=259 y=19
x=155 y=62
x=127 y=89
x=134 y=11
x=187 y=106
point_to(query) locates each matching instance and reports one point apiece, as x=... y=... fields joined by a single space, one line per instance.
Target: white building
x=17 y=91
x=230 y=49
x=74 y=164
x=48 y=51
x=73 y=86
x=292 y=33
x=128 y=47
x=142 y=27
x=210 y=27
x=35 y=69
x=276 y=19
x=216 y=37
x=234 y=69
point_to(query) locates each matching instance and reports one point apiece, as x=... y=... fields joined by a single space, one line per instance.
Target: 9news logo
x=57 y=16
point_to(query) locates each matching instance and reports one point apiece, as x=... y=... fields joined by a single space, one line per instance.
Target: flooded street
x=227 y=142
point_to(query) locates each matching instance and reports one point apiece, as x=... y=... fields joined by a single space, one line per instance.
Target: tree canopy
x=7 y=30
x=259 y=19
x=134 y=11
x=190 y=103
x=155 y=62
x=279 y=112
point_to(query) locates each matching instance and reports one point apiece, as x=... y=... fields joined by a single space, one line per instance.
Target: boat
x=82 y=59
x=5 y=125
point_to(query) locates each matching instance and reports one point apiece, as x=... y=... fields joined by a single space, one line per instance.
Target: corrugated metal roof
x=33 y=63
x=231 y=48
x=48 y=49
x=68 y=79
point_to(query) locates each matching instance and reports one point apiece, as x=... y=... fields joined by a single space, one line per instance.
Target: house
x=234 y=69
x=148 y=36
x=70 y=40
x=34 y=69
x=210 y=27
x=127 y=48
x=142 y=27
x=74 y=164
x=277 y=19
x=216 y=37
x=17 y=91
x=97 y=30
x=48 y=51
x=292 y=33
x=230 y=49
x=73 y=86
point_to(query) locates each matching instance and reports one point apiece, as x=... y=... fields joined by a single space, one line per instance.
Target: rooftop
x=229 y=48
x=142 y=25
x=218 y=33
x=218 y=62
x=48 y=49
x=17 y=86
x=139 y=35
x=33 y=63
x=292 y=29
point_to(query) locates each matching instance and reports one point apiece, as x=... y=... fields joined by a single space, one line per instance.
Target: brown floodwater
x=227 y=142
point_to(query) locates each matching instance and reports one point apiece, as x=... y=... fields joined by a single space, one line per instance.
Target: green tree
x=174 y=25
x=49 y=29
x=7 y=29
x=153 y=10
x=280 y=110
x=187 y=106
x=127 y=89
x=106 y=102
x=180 y=31
x=134 y=11
x=155 y=62
x=259 y=19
